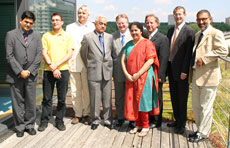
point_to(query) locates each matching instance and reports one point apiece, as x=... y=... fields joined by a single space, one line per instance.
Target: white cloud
x=163 y=1
x=110 y=8
x=135 y=8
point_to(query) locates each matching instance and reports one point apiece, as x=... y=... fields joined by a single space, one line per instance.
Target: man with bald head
x=96 y=54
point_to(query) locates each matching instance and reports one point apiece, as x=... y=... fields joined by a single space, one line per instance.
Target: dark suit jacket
x=98 y=67
x=182 y=51
x=162 y=46
x=16 y=51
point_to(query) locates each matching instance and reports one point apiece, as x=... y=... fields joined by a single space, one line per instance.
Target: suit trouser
x=101 y=92
x=202 y=103
x=80 y=93
x=119 y=99
x=48 y=88
x=179 y=96
x=158 y=118
x=23 y=95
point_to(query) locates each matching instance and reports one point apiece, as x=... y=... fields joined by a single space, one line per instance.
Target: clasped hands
x=24 y=74
x=134 y=77
x=56 y=73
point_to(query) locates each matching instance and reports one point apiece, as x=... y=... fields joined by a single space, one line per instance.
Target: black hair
x=28 y=14
x=139 y=26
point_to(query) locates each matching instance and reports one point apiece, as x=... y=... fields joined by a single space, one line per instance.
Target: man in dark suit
x=96 y=54
x=181 y=40
x=23 y=54
x=120 y=38
x=162 y=46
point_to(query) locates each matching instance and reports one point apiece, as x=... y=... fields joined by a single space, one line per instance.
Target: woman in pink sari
x=140 y=65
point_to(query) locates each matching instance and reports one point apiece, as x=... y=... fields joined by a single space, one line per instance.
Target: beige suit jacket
x=212 y=46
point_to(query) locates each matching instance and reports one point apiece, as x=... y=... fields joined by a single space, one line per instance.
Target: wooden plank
x=147 y=140
x=156 y=138
x=77 y=134
x=165 y=136
x=128 y=140
x=174 y=137
x=101 y=138
x=68 y=135
x=119 y=139
x=136 y=141
x=183 y=140
x=110 y=137
x=190 y=130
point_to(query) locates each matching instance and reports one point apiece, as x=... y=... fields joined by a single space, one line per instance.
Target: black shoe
x=42 y=126
x=192 y=135
x=131 y=124
x=197 y=138
x=120 y=122
x=87 y=120
x=20 y=133
x=60 y=126
x=173 y=124
x=158 y=125
x=31 y=131
x=109 y=126
x=94 y=126
x=180 y=130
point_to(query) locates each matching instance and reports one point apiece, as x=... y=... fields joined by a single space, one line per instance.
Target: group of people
x=138 y=60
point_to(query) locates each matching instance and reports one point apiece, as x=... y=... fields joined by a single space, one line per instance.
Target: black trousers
x=179 y=90
x=48 y=88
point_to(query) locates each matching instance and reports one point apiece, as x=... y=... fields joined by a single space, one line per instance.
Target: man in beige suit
x=78 y=75
x=209 y=45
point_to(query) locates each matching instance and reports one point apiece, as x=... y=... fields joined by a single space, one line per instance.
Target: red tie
x=173 y=42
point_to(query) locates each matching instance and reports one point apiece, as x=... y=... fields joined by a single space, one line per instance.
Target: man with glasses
x=209 y=45
x=23 y=54
x=181 y=40
x=58 y=47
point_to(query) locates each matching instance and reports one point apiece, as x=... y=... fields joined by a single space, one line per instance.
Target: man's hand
x=183 y=76
x=199 y=62
x=57 y=74
x=53 y=67
x=24 y=74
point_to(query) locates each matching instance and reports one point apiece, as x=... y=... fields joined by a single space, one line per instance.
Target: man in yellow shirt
x=58 y=47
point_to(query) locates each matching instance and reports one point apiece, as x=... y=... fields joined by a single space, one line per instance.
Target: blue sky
x=137 y=9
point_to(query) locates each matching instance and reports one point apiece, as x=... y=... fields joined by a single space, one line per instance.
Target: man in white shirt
x=78 y=72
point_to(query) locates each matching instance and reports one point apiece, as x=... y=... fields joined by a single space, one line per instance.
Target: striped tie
x=25 y=35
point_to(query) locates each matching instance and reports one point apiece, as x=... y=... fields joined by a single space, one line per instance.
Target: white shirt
x=179 y=29
x=127 y=33
x=153 y=33
x=77 y=30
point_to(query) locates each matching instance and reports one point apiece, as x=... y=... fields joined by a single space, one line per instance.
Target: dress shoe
x=75 y=120
x=180 y=130
x=197 y=138
x=94 y=126
x=119 y=123
x=131 y=124
x=192 y=134
x=31 y=131
x=60 y=126
x=20 y=133
x=109 y=126
x=173 y=124
x=42 y=126
x=87 y=120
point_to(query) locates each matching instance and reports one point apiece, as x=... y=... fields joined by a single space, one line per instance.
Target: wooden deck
x=81 y=136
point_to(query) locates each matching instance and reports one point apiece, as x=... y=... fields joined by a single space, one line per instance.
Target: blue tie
x=194 y=54
x=102 y=45
x=122 y=39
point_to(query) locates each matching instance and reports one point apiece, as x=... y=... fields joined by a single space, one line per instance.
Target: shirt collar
x=153 y=33
x=126 y=32
x=61 y=33
x=181 y=25
x=206 y=30
x=79 y=24
x=99 y=34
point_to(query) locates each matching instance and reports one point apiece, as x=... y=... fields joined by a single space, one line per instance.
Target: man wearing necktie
x=181 y=40
x=23 y=54
x=205 y=73
x=96 y=54
x=120 y=38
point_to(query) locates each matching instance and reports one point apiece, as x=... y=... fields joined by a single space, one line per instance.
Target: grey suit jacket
x=17 y=51
x=116 y=55
x=98 y=67
x=162 y=46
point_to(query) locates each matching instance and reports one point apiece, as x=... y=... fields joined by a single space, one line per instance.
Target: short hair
x=84 y=7
x=122 y=16
x=139 y=26
x=100 y=17
x=28 y=14
x=177 y=8
x=58 y=14
x=203 y=11
x=152 y=15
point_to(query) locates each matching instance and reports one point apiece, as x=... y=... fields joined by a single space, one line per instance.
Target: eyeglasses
x=56 y=20
x=202 y=19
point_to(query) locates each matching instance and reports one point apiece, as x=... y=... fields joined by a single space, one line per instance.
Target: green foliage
x=221 y=26
x=111 y=27
x=194 y=27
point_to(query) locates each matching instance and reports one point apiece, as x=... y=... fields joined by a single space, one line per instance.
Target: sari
x=141 y=95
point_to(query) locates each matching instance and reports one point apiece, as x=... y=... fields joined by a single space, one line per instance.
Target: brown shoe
x=87 y=120
x=75 y=120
